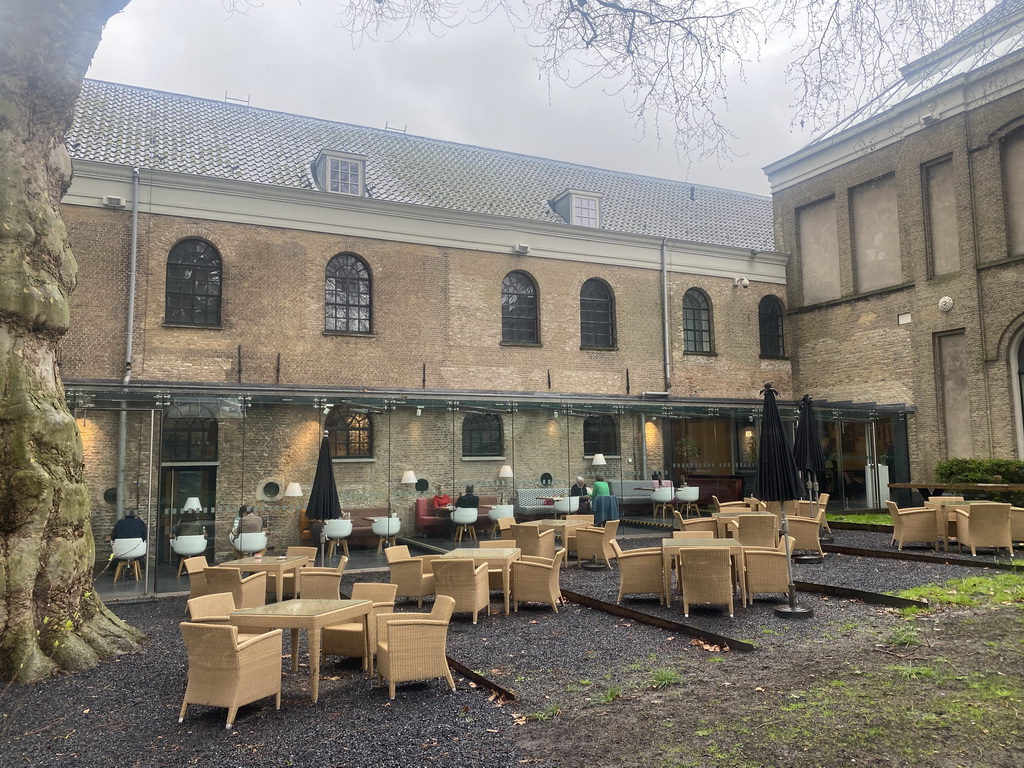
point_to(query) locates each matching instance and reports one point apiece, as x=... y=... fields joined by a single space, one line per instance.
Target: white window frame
x=325 y=173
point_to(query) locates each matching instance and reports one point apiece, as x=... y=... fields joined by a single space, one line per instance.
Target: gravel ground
x=124 y=712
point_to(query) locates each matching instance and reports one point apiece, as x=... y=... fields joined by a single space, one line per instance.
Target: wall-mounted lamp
x=740 y=282
x=408 y=477
x=293 y=489
x=419 y=411
x=192 y=504
x=598 y=460
x=327 y=408
x=554 y=414
x=520 y=249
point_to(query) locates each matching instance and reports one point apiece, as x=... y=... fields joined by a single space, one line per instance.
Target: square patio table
x=670 y=546
x=273 y=566
x=311 y=615
x=503 y=556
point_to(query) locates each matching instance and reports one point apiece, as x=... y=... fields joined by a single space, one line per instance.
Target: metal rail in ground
x=657 y=621
x=872 y=598
x=479 y=679
x=917 y=557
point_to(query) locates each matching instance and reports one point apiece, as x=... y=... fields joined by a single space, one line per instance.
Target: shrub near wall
x=1010 y=471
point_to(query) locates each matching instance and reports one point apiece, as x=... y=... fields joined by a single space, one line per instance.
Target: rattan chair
x=495 y=574
x=806 y=531
x=917 y=524
x=226 y=671
x=596 y=542
x=569 y=538
x=320 y=584
x=766 y=570
x=401 y=552
x=211 y=609
x=413 y=577
x=466 y=582
x=706 y=577
x=757 y=530
x=347 y=639
x=1017 y=524
x=727 y=505
x=412 y=646
x=195 y=567
x=533 y=541
x=640 y=571
x=692 y=535
x=984 y=525
x=709 y=524
x=288 y=587
x=503 y=526
x=250 y=592
x=535 y=580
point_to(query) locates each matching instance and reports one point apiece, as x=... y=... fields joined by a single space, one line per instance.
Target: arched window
x=350 y=433
x=189 y=434
x=348 y=302
x=696 y=321
x=769 y=321
x=481 y=435
x=600 y=435
x=193 y=284
x=597 y=315
x=519 y=309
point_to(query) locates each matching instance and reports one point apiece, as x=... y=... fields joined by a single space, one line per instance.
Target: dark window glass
x=189 y=439
x=696 y=321
x=349 y=433
x=347 y=305
x=769 y=320
x=193 y=284
x=481 y=435
x=600 y=435
x=519 y=309
x=597 y=315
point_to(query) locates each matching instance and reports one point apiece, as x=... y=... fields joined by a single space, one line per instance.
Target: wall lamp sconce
x=554 y=414
x=419 y=411
x=740 y=282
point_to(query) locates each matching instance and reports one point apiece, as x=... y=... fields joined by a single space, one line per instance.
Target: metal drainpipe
x=664 y=313
x=122 y=426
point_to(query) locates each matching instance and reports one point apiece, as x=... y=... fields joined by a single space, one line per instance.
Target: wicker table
x=503 y=556
x=311 y=615
x=670 y=546
x=273 y=566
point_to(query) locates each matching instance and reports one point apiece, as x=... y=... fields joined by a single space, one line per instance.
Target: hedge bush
x=1009 y=471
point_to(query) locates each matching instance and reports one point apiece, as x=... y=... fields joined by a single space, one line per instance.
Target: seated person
x=601 y=488
x=468 y=500
x=442 y=500
x=189 y=526
x=129 y=527
x=579 y=488
x=247 y=521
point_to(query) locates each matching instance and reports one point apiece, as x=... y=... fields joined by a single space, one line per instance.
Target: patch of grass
x=549 y=712
x=715 y=659
x=584 y=682
x=906 y=636
x=610 y=694
x=868 y=518
x=664 y=677
x=910 y=672
x=1000 y=588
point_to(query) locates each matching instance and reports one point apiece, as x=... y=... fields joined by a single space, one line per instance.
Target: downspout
x=122 y=427
x=664 y=313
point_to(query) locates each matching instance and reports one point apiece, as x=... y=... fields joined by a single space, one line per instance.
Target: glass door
x=177 y=485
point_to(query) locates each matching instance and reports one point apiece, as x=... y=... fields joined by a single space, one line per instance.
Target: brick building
x=249 y=279
x=905 y=226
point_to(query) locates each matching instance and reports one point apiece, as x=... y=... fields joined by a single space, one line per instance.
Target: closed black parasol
x=778 y=479
x=810 y=459
x=323 y=496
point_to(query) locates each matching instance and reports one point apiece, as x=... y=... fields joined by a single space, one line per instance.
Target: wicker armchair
x=984 y=525
x=596 y=542
x=503 y=526
x=320 y=584
x=495 y=575
x=250 y=592
x=705 y=577
x=412 y=646
x=194 y=567
x=766 y=570
x=211 y=609
x=532 y=541
x=465 y=582
x=700 y=524
x=224 y=671
x=757 y=530
x=569 y=539
x=288 y=588
x=806 y=532
x=913 y=524
x=347 y=639
x=413 y=578
x=401 y=552
x=727 y=505
x=535 y=580
x=1017 y=523
x=640 y=571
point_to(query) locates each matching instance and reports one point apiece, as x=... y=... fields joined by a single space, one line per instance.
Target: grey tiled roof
x=162 y=131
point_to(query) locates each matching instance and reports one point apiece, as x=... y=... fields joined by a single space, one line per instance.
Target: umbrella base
x=593 y=564
x=808 y=557
x=793 y=612
x=828 y=538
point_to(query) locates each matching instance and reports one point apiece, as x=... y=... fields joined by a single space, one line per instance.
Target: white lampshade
x=598 y=460
x=192 y=504
x=408 y=477
x=505 y=471
x=293 y=489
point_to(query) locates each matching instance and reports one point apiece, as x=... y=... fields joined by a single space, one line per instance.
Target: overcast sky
x=477 y=85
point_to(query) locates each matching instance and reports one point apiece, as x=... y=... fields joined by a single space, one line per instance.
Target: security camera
x=741 y=282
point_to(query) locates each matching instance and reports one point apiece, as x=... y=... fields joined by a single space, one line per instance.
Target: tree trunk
x=50 y=616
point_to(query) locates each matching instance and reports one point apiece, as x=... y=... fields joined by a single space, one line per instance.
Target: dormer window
x=341 y=172
x=580 y=208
